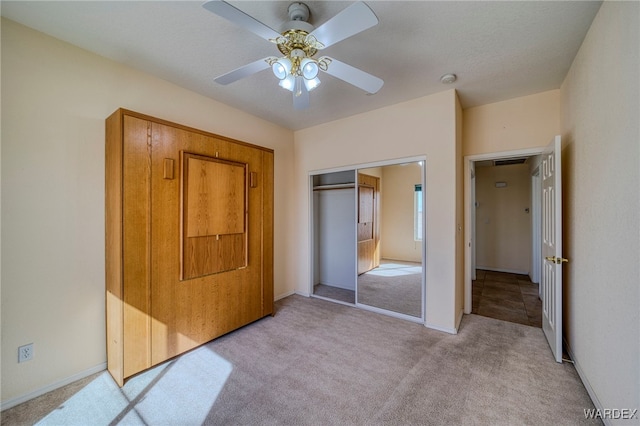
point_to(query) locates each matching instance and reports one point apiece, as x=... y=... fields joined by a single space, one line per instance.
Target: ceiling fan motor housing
x=298 y=17
x=298 y=12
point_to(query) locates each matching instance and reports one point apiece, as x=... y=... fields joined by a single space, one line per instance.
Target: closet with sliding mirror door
x=368 y=237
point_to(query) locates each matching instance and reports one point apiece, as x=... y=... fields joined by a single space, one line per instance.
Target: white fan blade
x=301 y=98
x=352 y=20
x=238 y=17
x=365 y=81
x=242 y=72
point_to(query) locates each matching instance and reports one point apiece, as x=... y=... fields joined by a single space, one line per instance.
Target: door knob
x=556 y=260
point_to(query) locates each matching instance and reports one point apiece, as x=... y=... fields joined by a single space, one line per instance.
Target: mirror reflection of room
x=390 y=249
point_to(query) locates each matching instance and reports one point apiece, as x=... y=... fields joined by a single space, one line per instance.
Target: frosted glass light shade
x=309 y=68
x=281 y=68
x=287 y=82
x=312 y=84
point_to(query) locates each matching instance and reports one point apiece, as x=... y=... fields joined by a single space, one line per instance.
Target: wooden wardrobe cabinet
x=189 y=239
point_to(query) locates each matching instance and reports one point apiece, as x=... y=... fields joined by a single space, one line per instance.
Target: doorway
x=368 y=237
x=501 y=280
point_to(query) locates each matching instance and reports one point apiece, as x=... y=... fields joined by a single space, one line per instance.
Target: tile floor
x=508 y=297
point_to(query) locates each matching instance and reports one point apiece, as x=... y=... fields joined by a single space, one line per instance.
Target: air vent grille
x=509 y=161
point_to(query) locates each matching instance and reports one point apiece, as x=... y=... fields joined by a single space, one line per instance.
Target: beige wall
x=424 y=126
x=397 y=199
x=55 y=98
x=520 y=123
x=503 y=227
x=601 y=144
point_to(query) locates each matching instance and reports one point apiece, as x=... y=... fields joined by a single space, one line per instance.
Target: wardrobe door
x=207 y=225
x=127 y=250
x=136 y=245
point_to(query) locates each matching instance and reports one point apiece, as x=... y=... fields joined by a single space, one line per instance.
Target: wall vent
x=509 y=161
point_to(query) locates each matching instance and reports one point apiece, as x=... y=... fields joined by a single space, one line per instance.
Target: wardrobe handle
x=168 y=168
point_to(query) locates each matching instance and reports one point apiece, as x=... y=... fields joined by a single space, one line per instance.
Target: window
x=417 y=213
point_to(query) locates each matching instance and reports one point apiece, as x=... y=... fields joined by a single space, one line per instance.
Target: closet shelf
x=334 y=186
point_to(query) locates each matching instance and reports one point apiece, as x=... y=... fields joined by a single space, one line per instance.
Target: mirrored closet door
x=368 y=238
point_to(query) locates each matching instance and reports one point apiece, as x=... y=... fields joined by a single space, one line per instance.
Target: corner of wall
x=459 y=266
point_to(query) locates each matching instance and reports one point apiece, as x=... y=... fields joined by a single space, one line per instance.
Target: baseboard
x=53 y=386
x=508 y=271
x=439 y=328
x=585 y=382
x=282 y=296
x=302 y=293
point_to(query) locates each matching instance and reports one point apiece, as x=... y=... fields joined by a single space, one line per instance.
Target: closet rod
x=334 y=186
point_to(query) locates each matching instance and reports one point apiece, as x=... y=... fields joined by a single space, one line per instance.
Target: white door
x=552 y=247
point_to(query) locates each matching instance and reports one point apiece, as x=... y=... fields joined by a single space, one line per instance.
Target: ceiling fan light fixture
x=309 y=68
x=287 y=83
x=312 y=83
x=281 y=68
x=298 y=42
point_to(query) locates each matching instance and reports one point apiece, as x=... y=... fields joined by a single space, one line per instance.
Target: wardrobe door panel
x=214 y=194
x=136 y=238
x=215 y=290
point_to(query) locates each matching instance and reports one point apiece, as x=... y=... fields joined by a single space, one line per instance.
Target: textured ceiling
x=498 y=50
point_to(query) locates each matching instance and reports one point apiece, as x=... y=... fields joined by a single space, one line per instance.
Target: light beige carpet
x=395 y=286
x=317 y=362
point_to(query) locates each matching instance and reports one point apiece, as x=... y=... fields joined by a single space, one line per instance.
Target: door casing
x=469 y=237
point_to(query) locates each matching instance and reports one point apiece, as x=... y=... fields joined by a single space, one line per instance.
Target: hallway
x=507 y=297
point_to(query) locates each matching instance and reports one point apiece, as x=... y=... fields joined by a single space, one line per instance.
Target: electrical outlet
x=25 y=353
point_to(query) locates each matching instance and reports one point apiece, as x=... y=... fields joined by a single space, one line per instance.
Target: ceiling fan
x=299 y=42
